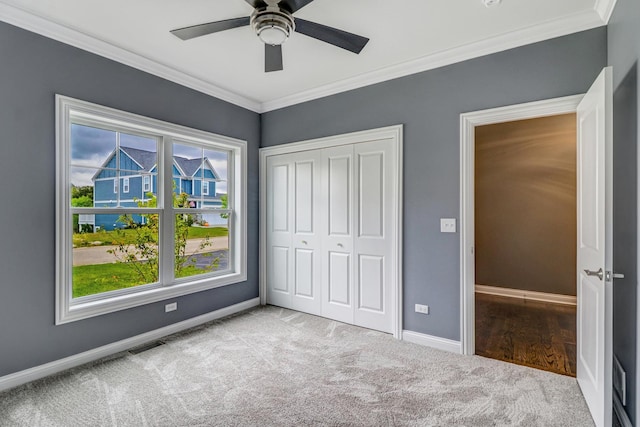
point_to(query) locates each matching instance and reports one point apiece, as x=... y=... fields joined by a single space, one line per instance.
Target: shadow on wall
x=525 y=204
x=625 y=143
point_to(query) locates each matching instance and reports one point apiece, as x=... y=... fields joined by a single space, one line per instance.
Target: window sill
x=79 y=311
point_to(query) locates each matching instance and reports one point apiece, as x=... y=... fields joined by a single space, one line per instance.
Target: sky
x=90 y=148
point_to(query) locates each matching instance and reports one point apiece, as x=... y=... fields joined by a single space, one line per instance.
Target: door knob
x=598 y=273
x=340 y=245
x=304 y=242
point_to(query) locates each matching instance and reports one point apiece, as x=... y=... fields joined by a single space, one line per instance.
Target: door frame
x=395 y=134
x=468 y=123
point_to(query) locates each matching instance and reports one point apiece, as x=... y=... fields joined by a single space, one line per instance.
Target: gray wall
x=624 y=51
x=33 y=70
x=429 y=105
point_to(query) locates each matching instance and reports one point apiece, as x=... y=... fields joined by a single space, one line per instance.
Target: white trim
x=605 y=9
x=554 y=28
x=528 y=295
x=125 y=185
x=35 y=373
x=203 y=184
x=69 y=310
x=618 y=409
x=432 y=341
x=61 y=33
x=468 y=122
x=394 y=133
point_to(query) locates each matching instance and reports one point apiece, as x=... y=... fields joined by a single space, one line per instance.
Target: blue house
x=137 y=181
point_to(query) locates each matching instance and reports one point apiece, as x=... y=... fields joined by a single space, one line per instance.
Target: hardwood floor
x=531 y=333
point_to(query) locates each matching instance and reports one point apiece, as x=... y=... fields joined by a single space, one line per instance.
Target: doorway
x=469 y=123
x=525 y=234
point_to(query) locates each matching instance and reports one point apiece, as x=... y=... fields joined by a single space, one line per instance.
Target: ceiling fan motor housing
x=272 y=24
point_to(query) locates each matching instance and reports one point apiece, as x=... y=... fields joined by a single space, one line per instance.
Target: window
x=160 y=240
x=205 y=188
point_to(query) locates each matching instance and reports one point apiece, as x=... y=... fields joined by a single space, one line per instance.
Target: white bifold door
x=331 y=223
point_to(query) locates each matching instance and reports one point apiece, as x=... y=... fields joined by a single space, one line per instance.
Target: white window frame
x=68 y=309
x=116 y=187
x=205 y=184
x=125 y=185
x=146 y=184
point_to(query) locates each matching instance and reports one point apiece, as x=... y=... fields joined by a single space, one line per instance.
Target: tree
x=84 y=191
x=142 y=255
x=224 y=199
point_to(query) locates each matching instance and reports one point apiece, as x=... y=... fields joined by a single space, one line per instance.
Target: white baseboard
x=432 y=341
x=530 y=295
x=37 y=372
x=618 y=409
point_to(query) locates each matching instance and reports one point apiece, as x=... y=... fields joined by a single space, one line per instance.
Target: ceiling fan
x=273 y=22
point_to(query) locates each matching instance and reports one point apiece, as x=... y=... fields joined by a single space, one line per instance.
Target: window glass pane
x=202 y=244
x=112 y=252
x=218 y=161
x=118 y=181
x=91 y=146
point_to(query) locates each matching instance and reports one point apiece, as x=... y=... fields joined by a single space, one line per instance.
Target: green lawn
x=104 y=238
x=98 y=278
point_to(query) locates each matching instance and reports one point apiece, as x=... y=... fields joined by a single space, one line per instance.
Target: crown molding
x=554 y=28
x=605 y=9
x=29 y=21
x=550 y=29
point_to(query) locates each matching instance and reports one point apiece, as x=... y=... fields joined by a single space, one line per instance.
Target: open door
x=594 y=287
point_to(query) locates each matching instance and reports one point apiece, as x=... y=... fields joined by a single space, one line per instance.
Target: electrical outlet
x=171 y=307
x=424 y=309
x=447 y=225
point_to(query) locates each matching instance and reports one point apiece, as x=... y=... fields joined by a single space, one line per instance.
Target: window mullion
x=167 y=221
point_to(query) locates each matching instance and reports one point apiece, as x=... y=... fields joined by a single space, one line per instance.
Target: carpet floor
x=271 y=366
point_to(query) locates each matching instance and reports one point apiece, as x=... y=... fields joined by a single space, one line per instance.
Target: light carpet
x=271 y=366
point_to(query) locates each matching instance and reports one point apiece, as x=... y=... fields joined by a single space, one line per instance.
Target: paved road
x=99 y=255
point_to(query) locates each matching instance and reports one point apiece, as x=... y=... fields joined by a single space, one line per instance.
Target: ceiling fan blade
x=293 y=5
x=256 y=3
x=272 y=58
x=187 y=33
x=351 y=42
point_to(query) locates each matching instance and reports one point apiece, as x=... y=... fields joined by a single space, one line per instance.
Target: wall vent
x=142 y=348
x=619 y=381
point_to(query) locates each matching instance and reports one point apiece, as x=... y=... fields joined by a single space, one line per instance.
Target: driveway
x=98 y=254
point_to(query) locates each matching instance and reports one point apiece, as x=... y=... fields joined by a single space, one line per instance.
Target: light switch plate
x=171 y=307
x=447 y=225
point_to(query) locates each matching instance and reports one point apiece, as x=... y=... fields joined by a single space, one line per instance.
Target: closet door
x=279 y=232
x=293 y=237
x=337 y=251
x=306 y=234
x=375 y=179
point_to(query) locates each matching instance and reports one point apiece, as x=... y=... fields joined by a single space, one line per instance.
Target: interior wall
x=33 y=70
x=429 y=105
x=525 y=204
x=623 y=55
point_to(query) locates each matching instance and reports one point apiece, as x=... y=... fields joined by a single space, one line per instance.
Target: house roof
x=147 y=160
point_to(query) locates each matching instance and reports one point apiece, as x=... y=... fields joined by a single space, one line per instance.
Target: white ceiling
x=406 y=36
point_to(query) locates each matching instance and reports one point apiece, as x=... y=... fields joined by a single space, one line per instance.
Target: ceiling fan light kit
x=272 y=25
x=273 y=22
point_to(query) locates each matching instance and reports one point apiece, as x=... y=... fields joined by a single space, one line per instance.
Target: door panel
x=375 y=180
x=371 y=283
x=304 y=273
x=337 y=273
x=279 y=234
x=339 y=193
x=594 y=293
x=371 y=195
x=306 y=239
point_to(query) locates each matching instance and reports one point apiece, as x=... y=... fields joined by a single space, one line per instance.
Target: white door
x=594 y=318
x=374 y=223
x=337 y=251
x=293 y=231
